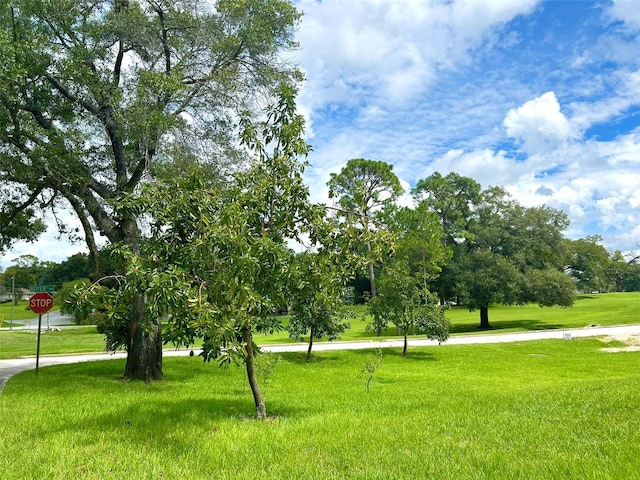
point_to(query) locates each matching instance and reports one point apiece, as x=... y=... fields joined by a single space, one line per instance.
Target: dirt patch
x=632 y=343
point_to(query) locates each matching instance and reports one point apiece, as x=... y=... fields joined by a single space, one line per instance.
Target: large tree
x=217 y=263
x=95 y=93
x=501 y=251
x=624 y=271
x=365 y=188
x=453 y=198
x=590 y=264
x=512 y=254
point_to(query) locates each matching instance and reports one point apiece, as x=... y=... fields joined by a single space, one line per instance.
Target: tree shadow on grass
x=497 y=325
x=417 y=355
x=151 y=422
x=300 y=358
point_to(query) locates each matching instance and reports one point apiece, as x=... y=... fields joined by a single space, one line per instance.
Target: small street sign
x=41 y=303
x=42 y=288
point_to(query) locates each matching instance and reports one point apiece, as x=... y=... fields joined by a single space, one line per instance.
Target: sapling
x=370 y=366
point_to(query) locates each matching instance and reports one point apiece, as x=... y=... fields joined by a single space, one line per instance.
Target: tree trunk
x=484 y=318
x=372 y=281
x=261 y=409
x=144 y=346
x=310 y=345
x=372 y=273
x=404 y=348
x=144 y=349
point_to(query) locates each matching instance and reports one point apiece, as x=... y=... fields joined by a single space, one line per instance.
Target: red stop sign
x=41 y=302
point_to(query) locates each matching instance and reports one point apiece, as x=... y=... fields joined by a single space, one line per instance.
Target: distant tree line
x=27 y=270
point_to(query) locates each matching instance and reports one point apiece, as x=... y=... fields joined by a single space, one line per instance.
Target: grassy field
x=534 y=410
x=20 y=343
x=604 y=309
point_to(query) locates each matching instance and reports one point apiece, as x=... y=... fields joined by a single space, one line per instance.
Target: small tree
x=316 y=305
x=404 y=303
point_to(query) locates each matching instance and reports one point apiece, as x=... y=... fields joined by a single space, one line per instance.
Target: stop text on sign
x=42 y=302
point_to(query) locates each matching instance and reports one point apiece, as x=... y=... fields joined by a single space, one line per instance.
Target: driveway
x=8 y=368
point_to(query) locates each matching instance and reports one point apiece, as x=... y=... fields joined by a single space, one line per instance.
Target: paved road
x=50 y=319
x=8 y=368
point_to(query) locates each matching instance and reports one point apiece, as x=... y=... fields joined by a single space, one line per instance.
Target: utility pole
x=13 y=300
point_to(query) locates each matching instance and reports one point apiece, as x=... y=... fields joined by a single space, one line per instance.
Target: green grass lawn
x=532 y=410
x=20 y=343
x=601 y=309
x=604 y=309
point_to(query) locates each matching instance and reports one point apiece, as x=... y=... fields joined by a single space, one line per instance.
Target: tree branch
x=95 y=110
x=88 y=235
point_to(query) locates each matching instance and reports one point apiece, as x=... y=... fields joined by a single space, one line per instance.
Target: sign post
x=40 y=303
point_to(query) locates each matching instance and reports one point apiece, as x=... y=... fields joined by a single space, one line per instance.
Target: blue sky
x=541 y=97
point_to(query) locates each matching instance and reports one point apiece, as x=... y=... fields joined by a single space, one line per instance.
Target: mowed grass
x=603 y=309
x=531 y=410
x=20 y=343
x=598 y=309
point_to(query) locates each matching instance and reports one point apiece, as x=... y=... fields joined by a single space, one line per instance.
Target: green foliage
x=419 y=241
x=75 y=267
x=452 y=198
x=66 y=298
x=17 y=220
x=551 y=287
x=403 y=302
x=365 y=191
x=109 y=308
x=317 y=305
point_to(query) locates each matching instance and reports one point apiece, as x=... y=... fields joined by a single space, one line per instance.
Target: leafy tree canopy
x=365 y=190
x=95 y=96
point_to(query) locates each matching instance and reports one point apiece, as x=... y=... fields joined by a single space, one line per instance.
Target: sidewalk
x=8 y=368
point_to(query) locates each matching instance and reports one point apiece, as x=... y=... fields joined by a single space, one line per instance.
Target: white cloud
x=623 y=92
x=539 y=124
x=627 y=11
x=485 y=166
x=390 y=51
